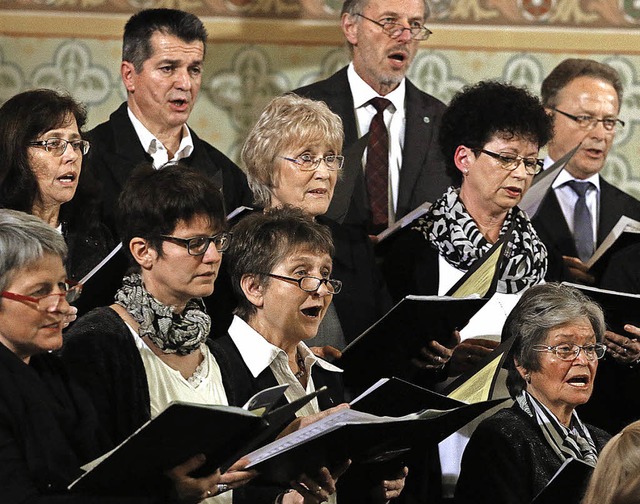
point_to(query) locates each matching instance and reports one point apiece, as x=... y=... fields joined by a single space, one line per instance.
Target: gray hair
x=540 y=309
x=24 y=239
x=353 y=7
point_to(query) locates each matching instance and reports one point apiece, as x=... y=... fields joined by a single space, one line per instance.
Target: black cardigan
x=48 y=429
x=508 y=460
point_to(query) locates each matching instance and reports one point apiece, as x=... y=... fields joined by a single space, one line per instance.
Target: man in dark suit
x=584 y=97
x=383 y=36
x=162 y=58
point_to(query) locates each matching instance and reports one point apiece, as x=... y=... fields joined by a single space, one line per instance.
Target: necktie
x=582 y=224
x=377 y=167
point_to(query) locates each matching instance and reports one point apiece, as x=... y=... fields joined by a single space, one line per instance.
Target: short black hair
x=153 y=202
x=23 y=118
x=261 y=240
x=478 y=112
x=136 y=42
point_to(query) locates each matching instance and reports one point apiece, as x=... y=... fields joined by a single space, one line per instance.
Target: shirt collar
x=150 y=143
x=362 y=92
x=258 y=353
x=564 y=176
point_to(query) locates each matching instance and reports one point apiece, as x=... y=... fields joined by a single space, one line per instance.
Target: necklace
x=302 y=370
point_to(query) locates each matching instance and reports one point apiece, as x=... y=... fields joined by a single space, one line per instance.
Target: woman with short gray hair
x=513 y=454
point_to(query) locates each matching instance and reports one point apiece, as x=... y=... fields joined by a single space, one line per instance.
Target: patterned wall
x=75 y=46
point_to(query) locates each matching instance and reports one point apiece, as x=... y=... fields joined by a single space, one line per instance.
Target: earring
x=466 y=171
x=527 y=378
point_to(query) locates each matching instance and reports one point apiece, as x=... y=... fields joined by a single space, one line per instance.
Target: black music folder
x=361 y=437
x=222 y=433
x=620 y=308
x=567 y=485
x=387 y=347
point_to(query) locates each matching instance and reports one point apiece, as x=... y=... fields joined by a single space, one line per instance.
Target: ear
x=350 y=28
x=144 y=255
x=128 y=73
x=252 y=289
x=524 y=373
x=463 y=157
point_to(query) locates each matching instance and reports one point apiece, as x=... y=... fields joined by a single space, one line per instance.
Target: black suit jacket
x=116 y=151
x=423 y=176
x=554 y=231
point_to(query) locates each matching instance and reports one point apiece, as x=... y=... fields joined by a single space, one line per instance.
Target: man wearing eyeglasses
x=584 y=98
x=162 y=60
x=402 y=166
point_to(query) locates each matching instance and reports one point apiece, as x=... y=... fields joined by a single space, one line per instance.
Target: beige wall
x=260 y=48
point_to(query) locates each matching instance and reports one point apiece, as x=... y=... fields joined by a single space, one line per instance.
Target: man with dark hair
x=584 y=98
x=373 y=95
x=162 y=58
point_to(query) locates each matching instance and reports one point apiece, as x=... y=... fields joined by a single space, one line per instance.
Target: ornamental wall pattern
x=261 y=48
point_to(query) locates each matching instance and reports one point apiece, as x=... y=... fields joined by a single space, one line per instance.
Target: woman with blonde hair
x=618 y=464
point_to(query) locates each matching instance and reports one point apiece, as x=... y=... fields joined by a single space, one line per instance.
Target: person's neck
x=288 y=345
x=48 y=213
x=489 y=223
x=186 y=365
x=170 y=137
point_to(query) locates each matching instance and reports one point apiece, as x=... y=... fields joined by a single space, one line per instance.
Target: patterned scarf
x=574 y=442
x=172 y=333
x=453 y=232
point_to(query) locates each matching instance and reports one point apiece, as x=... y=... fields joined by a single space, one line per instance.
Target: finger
x=436 y=348
x=340 y=470
x=483 y=342
x=188 y=466
x=632 y=329
x=310 y=488
x=237 y=478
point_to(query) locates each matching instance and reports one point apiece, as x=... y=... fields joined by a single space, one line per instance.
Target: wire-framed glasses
x=394 y=30
x=69 y=290
x=198 y=245
x=57 y=146
x=587 y=122
x=569 y=352
x=510 y=161
x=308 y=163
x=311 y=283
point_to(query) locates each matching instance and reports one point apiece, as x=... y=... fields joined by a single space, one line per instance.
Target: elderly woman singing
x=513 y=454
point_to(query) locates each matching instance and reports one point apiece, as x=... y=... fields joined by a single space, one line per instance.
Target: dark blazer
x=116 y=151
x=423 y=176
x=554 y=231
x=508 y=461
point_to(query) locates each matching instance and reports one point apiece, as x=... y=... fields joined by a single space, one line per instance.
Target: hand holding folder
x=222 y=433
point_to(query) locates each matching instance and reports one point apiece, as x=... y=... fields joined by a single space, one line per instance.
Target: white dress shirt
x=395 y=121
x=568 y=198
x=155 y=148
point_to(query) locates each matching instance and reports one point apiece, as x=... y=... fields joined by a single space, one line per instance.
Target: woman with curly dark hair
x=490 y=136
x=41 y=155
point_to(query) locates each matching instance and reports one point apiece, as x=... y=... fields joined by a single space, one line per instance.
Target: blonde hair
x=618 y=463
x=288 y=120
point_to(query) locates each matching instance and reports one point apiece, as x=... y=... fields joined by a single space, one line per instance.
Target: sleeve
x=17 y=487
x=494 y=470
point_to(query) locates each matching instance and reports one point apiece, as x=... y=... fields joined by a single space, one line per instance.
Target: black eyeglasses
x=307 y=163
x=311 y=283
x=199 y=245
x=57 y=146
x=510 y=161
x=569 y=352
x=394 y=30
x=588 y=122
x=69 y=290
